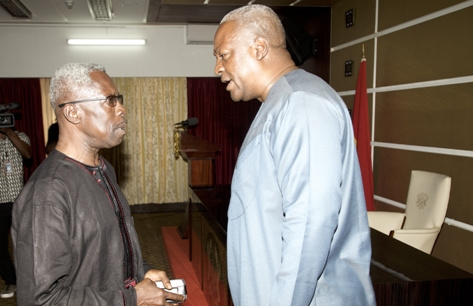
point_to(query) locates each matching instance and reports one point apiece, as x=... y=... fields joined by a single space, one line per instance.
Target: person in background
x=53 y=136
x=297 y=225
x=14 y=147
x=73 y=234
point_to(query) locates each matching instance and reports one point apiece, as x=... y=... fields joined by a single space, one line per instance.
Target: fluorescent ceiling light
x=107 y=42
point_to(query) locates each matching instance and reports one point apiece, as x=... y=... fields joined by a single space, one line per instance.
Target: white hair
x=71 y=77
x=259 y=20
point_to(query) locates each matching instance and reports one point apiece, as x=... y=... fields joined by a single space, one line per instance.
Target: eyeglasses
x=111 y=101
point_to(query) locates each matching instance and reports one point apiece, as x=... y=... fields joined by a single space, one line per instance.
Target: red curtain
x=221 y=121
x=28 y=118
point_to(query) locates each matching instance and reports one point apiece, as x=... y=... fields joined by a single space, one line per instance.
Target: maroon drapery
x=28 y=118
x=221 y=121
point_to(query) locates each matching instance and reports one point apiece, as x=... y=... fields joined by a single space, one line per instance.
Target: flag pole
x=363 y=52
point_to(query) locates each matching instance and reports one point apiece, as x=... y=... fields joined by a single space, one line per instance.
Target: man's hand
x=20 y=145
x=5 y=131
x=158 y=275
x=147 y=294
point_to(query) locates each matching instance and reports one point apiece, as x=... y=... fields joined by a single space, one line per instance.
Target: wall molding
x=448 y=221
x=435 y=150
x=405 y=25
x=407 y=86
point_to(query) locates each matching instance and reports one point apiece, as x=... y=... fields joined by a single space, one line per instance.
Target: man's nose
x=218 y=70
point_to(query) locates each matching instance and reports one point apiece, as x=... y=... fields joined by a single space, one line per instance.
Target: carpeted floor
x=181 y=267
x=148 y=227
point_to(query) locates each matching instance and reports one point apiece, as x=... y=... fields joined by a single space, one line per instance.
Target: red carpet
x=178 y=254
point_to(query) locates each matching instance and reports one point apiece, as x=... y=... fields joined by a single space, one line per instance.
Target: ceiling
x=148 y=11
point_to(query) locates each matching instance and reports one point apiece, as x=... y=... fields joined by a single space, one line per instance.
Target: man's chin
x=115 y=141
x=235 y=97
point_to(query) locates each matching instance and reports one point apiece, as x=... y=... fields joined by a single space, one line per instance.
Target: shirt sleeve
x=307 y=155
x=24 y=138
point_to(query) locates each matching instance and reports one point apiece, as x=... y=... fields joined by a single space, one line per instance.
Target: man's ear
x=70 y=113
x=261 y=46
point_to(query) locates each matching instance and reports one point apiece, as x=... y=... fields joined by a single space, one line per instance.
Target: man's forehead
x=226 y=35
x=225 y=29
x=101 y=79
x=218 y=41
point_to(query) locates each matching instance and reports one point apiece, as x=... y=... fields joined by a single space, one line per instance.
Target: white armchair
x=426 y=207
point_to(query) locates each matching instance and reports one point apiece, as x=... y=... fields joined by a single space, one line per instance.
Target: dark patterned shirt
x=11 y=169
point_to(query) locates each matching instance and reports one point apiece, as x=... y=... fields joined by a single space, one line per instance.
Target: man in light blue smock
x=297 y=227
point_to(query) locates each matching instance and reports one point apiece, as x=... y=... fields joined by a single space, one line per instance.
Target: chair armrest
x=422 y=239
x=385 y=221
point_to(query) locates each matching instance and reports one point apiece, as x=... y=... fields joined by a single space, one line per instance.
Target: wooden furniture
x=206 y=236
x=401 y=274
x=208 y=215
x=200 y=156
x=404 y=275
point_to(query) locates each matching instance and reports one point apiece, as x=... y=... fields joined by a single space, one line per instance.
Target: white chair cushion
x=422 y=239
x=385 y=221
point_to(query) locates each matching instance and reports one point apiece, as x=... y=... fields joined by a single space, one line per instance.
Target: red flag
x=361 y=128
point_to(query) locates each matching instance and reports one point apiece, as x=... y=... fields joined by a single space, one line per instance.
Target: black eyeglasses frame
x=112 y=101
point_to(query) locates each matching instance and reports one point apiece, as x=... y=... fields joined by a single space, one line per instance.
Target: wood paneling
x=392 y=13
x=428 y=51
x=434 y=116
x=338 y=80
x=364 y=11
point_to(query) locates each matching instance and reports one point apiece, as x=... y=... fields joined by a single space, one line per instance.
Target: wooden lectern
x=206 y=237
x=200 y=156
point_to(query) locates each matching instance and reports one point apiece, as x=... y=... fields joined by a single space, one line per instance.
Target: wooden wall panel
x=338 y=80
x=427 y=51
x=364 y=12
x=434 y=116
x=392 y=13
x=432 y=107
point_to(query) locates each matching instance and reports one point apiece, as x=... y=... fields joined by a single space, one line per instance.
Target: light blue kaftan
x=297 y=227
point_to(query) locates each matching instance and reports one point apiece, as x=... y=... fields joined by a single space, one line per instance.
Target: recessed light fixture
x=16 y=8
x=101 y=10
x=107 y=42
